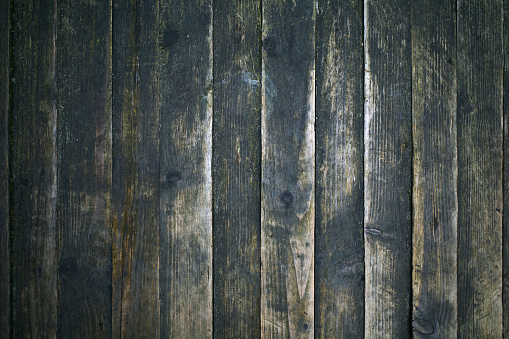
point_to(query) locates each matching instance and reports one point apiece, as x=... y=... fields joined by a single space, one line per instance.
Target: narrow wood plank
x=480 y=81
x=387 y=168
x=288 y=159
x=135 y=185
x=236 y=168
x=505 y=236
x=33 y=171
x=5 y=265
x=185 y=69
x=84 y=169
x=435 y=202
x=339 y=311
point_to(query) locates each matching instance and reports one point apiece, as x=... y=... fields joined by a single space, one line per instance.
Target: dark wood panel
x=237 y=168
x=84 y=169
x=33 y=172
x=5 y=267
x=288 y=159
x=435 y=203
x=387 y=168
x=135 y=184
x=185 y=69
x=480 y=79
x=339 y=298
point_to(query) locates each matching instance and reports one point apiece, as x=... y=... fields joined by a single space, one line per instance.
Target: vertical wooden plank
x=185 y=71
x=505 y=151
x=339 y=310
x=387 y=168
x=237 y=168
x=33 y=171
x=435 y=204
x=135 y=185
x=480 y=81
x=288 y=159
x=5 y=267
x=84 y=169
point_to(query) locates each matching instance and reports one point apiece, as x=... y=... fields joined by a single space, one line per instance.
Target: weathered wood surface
x=288 y=152
x=237 y=168
x=505 y=151
x=33 y=170
x=185 y=92
x=339 y=297
x=387 y=168
x=480 y=79
x=135 y=168
x=435 y=169
x=84 y=181
x=5 y=265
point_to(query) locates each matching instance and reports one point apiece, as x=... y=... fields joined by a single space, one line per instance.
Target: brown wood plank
x=387 y=168
x=135 y=184
x=480 y=81
x=5 y=265
x=84 y=169
x=185 y=171
x=33 y=170
x=288 y=159
x=505 y=151
x=435 y=203
x=339 y=308
x=236 y=167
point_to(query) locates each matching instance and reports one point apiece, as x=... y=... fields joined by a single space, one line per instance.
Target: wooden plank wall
x=254 y=168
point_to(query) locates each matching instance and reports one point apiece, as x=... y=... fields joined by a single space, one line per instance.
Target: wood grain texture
x=5 y=265
x=33 y=171
x=480 y=80
x=84 y=169
x=505 y=151
x=185 y=69
x=435 y=202
x=236 y=162
x=135 y=185
x=339 y=303
x=288 y=159
x=387 y=168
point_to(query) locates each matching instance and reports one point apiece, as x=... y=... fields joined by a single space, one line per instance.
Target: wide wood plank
x=480 y=81
x=435 y=203
x=135 y=184
x=185 y=83
x=33 y=171
x=339 y=310
x=288 y=159
x=236 y=167
x=84 y=169
x=387 y=168
x=5 y=267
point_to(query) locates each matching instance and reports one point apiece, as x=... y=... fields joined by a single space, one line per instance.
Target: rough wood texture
x=5 y=267
x=237 y=168
x=185 y=70
x=33 y=171
x=84 y=169
x=387 y=168
x=435 y=203
x=339 y=310
x=288 y=159
x=480 y=80
x=505 y=151
x=135 y=185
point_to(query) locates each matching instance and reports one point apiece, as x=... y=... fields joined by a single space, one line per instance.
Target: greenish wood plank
x=33 y=171
x=236 y=167
x=387 y=168
x=135 y=183
x=435 y=202
x=84 y=169
x=288 y=159
x=480 y=81
x=185 y=83
x=339 y=308
x=5 y=267
x=505 y=236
